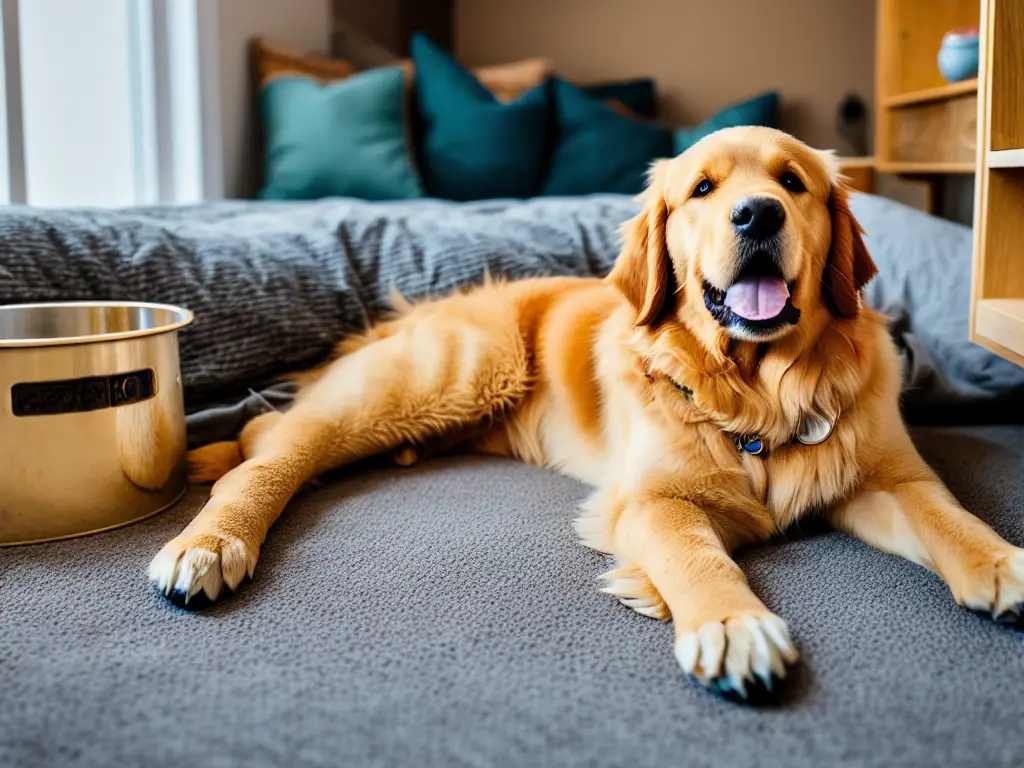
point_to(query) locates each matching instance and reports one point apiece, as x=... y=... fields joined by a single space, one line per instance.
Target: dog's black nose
x=757 y=217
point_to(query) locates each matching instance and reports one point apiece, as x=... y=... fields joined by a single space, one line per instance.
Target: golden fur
x=584 y=376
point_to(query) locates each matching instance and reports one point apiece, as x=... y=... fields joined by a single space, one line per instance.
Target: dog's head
x=748 y=233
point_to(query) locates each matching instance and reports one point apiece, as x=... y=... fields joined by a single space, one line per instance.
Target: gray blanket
x=275 y=285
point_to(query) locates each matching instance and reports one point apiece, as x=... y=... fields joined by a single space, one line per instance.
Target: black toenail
x=1008 y=618
x=196 y=602
x=757 y=692
x=199 y=601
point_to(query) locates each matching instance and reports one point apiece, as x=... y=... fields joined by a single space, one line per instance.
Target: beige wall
x=379 y=19
x=301 y=24
x=705 y=54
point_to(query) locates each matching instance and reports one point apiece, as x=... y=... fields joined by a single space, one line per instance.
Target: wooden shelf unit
x=924 y=125
x=997 y=286
x=859 y=172
x=926 y=169
x=939 y=93
x=1006 y=158
x=999 y=324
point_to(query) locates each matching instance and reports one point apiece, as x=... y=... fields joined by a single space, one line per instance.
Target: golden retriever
x=723 y=381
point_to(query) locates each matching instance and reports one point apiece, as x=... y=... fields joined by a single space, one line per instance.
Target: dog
x=722 y=382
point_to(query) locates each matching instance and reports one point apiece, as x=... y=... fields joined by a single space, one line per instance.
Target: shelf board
x=924 y=168
x=949 y=91
x=856 y=162
x=1006 y=158
x=1001 y=322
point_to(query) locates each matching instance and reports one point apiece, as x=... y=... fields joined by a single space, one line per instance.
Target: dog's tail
x=210 y=463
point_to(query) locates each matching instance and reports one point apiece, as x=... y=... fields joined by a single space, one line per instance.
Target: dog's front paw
x=995 y=588
x=193 y=569
x=740 y=656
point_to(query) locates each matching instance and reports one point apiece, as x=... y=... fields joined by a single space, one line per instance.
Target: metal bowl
x=92 y=419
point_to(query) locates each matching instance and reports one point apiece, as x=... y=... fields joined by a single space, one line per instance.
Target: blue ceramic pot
x=958 y=57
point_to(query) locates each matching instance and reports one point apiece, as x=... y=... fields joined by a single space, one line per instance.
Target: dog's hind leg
x=211 y=462
x=436 y=373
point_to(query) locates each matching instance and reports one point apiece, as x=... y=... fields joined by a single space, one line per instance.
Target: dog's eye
x=792 y=182
x=703 y=189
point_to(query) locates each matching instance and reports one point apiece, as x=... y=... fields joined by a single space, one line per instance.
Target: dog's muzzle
x=758 y=302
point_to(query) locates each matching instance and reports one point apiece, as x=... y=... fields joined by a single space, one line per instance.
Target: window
x=103 y=102
x=76 y=78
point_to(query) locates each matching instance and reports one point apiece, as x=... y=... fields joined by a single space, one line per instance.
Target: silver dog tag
x=816 y=429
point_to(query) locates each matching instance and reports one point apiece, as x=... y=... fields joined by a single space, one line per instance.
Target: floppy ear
x=849 y=266
x=643 y=271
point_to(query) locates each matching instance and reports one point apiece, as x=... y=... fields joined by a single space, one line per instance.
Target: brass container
x=92 y=419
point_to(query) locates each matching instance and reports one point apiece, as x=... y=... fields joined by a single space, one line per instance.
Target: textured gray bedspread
x=274 y=285
x=445 y=616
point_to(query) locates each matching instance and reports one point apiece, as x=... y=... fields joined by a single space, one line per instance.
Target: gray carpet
x=444 y=615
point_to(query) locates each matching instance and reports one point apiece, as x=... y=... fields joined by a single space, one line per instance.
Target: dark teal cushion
x=471 y=145
x=341 y=139
x=595 y=149
x=760 y=110
x=640 y=95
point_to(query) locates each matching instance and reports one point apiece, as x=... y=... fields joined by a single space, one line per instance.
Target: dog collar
x=682 y=388
x=815 y=428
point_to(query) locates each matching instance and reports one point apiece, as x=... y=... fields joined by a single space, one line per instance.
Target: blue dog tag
x=751 y=444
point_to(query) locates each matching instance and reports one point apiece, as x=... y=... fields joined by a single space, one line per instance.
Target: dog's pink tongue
x=757 y=298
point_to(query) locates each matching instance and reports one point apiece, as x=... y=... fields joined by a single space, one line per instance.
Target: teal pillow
x=471 y=145
x=760 y=110
x=640 y=95
x=341 y=139
x=596 y=149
